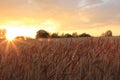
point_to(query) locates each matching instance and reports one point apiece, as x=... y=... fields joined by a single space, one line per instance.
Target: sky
x=25 y=17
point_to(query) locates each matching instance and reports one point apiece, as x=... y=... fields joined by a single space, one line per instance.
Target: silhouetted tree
x=42 y=34
x=67 y=35
x=54 y=35
x=108 y=33
x=84 y=35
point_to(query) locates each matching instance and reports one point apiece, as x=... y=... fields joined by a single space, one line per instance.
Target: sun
x=10 y=34
x=10 y=38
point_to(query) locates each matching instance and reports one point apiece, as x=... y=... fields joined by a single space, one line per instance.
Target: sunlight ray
x=2 y=42
x=7 y=49
x=15 y=48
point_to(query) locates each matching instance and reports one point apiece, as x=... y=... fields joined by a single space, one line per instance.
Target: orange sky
x=25 y=17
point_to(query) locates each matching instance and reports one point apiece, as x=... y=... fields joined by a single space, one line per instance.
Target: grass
x=61 y=59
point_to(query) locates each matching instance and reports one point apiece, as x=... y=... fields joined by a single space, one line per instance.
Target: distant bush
x=84 y=35
x=20 y=38
x=55 y=35
x=67 y=35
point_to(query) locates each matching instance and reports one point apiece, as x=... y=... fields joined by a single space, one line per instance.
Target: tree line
x=45 y=34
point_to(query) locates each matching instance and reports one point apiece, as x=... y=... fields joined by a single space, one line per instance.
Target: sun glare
x=10 y=34
x=10 y=38
x=13 y=32
x=26 y=29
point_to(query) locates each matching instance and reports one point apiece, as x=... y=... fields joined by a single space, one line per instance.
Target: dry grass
x=63 y=59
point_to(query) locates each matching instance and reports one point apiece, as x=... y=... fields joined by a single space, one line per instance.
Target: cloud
x=107 y=13
x=89 y=3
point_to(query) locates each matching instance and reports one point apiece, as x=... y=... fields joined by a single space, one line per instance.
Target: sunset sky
x=25 y=17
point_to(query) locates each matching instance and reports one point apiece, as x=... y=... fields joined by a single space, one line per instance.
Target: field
x=60 y=59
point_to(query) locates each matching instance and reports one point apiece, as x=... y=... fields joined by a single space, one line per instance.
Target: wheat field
x=60 y=59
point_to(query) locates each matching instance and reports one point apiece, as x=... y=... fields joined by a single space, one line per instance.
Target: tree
x=84 y=35
x=67 y=35
x=3 y=33
x=107 y=33
x=54 y=35
x=42 y=34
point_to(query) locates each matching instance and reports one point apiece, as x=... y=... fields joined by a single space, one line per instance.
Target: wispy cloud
x=89 y=3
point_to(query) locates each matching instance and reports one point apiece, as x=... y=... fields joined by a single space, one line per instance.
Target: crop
x=60 y=59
